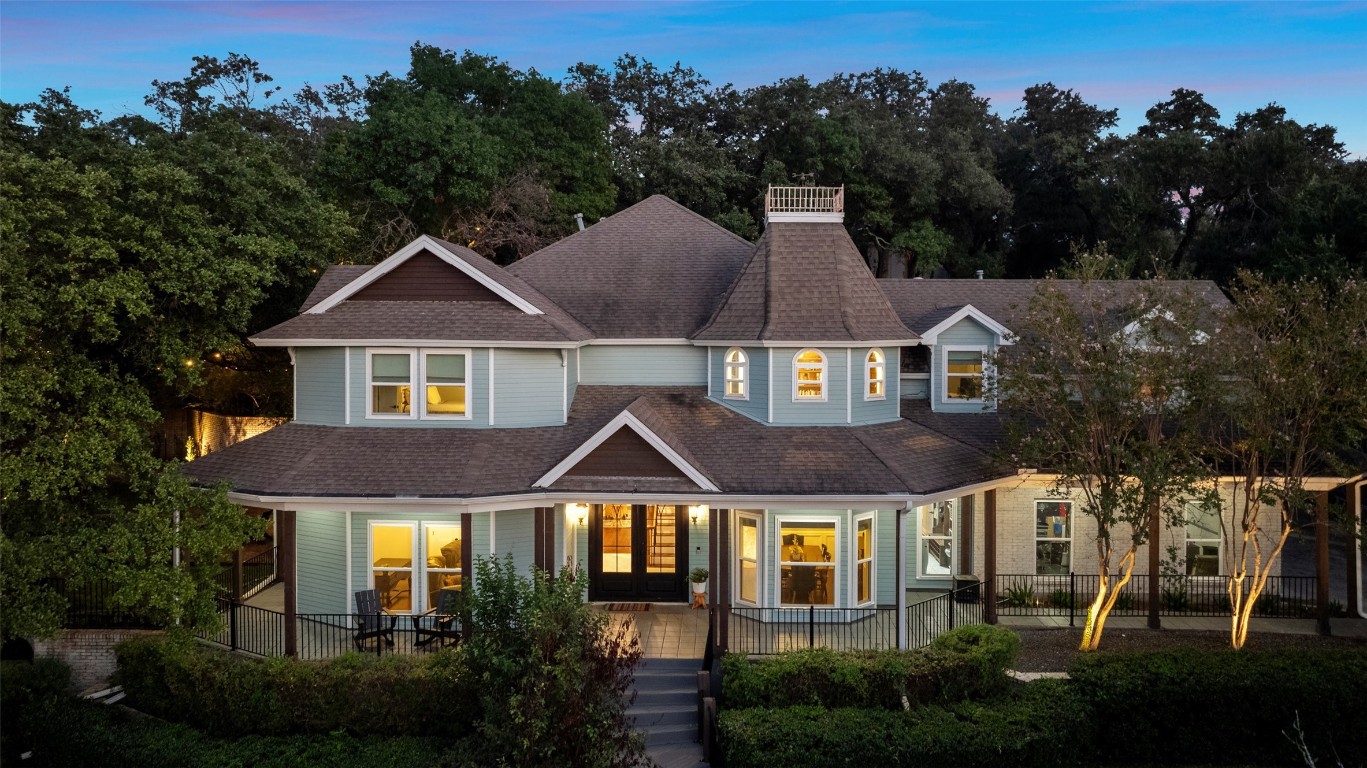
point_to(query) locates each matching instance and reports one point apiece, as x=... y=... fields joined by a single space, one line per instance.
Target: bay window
x=747 y=558
x=863 y=560
x=807 y=562
x=809 y=375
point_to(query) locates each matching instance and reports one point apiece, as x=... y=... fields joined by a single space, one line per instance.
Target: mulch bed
x=1052 y=650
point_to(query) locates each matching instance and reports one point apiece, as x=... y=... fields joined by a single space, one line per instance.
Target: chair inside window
x=441 y=623
x=373 y=620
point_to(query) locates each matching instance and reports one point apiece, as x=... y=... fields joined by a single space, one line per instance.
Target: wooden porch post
x=1155 y=534
x=1354 y=497
x=990 y=556
x=1322 y=562
x=966 y=513
x=543 y=537
x=900 y=599
x=467 y=550
x=289 y=550
x=723 y=612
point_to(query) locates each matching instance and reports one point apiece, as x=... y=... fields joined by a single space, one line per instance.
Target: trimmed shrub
x=1037 y=726
x=30 y=695
x=432 y=695
x=967 y=662
x=1190 y=706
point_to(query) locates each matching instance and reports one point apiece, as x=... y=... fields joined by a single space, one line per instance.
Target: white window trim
x=759 y=559
x=743 y=366
x=835 y=588
x=422 y=541
x=944 y=371
x=921 y=564
x=370 y=354
x=1219 y=544
x=1034 y=516
x=872 y=559
x=415 y=548
x=422 y=370
x=882 y=366
x=825 y=366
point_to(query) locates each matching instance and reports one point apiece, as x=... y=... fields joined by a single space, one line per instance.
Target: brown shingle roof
x=654 y=270
x=923 y=303
x=805 y=283
x=738 y=454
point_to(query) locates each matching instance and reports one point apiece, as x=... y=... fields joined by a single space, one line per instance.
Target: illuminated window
x=1204 y=537
x=964 y=374
x=391 y=384
x=737 y=366
x=747 y=558
x=863 y=560
x=441 y=546
x=875 y=382
x=391 y=564
x=616 y=550
x=444 y=376
x=807 y=561
x=937 y=538
x=1053 y=537
x=809 y=375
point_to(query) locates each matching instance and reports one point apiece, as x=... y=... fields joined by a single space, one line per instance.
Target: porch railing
x=804 y=200
x=258 y=572
x=762 y=631
x=928 y=619
x=261 y=632
x=90 y=605
x=1285 y=597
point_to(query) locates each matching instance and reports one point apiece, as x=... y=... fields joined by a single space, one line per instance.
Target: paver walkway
x=666 y=710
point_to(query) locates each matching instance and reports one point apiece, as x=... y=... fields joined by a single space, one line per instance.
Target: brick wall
x=89 y=652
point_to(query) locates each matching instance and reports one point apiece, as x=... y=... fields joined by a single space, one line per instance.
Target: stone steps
x=666 y=710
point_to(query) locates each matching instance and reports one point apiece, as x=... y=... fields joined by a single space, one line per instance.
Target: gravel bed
x=1052 y=650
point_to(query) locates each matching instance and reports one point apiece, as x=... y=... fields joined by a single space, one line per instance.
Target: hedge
x=1038 y=726
x=1189 y=705
x=969 y=662
x=225 y=694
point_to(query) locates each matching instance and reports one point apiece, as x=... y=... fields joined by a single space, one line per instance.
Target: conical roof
x=805 y=283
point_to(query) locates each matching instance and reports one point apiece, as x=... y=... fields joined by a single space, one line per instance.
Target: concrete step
x=671 y=734
x=650 y=718
x=678 y=696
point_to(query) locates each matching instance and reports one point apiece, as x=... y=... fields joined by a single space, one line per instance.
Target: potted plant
x=698 y=577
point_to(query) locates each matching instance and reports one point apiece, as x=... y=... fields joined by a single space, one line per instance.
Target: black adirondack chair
x=372 y=620
x=442 y=622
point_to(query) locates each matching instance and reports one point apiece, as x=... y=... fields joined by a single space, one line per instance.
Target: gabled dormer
x=804 y=336
x=433 y=336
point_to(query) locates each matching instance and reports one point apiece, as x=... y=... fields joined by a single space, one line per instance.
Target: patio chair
x=372 y=620
x=444 y=626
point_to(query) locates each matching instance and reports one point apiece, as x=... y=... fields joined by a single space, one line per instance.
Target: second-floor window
x=964 y=373
x=736 y=374
x=411 y=383
x=875 y=381
x=809 y=375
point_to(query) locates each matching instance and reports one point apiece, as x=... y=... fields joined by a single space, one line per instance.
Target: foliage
x=1021 y=595
x=967 y=662
x=41 y=717
x=1098 y=388
x=698 y=575
x=231 y=695
x=1180 y=705
x=552 y=675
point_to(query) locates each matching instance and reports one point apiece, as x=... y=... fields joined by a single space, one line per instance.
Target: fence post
x=811 y=626
x=1072 y=597
x=950 y=597
x=232 y=625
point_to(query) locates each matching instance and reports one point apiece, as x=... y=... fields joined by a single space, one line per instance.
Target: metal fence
x=261 y=632
x=931 y=618
x=1285 y=597
x=763 y=631
x=258 y=572
x=91 y=605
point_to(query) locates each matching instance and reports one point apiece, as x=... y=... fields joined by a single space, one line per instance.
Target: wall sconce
x=578 y=513
x=695 y=512
x=583 y=516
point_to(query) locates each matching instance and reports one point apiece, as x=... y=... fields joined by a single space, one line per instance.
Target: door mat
x=628 y=606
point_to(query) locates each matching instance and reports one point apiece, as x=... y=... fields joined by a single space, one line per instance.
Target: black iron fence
x=931 y=618
x=257 y=572
x=261 y=632
x=763 y=631
x=90 y=605
x=1284 y=597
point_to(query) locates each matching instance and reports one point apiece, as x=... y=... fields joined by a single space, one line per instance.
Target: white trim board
x=1002 y=333
x=423 y=243
x=626 y=419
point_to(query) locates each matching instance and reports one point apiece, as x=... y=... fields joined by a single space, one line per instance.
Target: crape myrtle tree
x=1294 y=398
x=1097 y=389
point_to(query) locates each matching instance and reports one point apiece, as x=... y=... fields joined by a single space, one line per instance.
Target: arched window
x=737 y=377
x=809 y=375
x=875 y=381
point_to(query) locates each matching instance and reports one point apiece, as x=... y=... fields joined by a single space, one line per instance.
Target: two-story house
x=649 y=395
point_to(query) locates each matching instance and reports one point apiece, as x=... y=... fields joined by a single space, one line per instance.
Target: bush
x=30 y=695
x=1038 y=725
x=966 y=662
x=1190 y=706
x=224 y=694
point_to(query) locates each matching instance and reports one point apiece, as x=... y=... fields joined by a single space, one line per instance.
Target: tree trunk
x=1106 y=596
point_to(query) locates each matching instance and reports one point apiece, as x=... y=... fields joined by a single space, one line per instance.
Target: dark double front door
x=637 y=552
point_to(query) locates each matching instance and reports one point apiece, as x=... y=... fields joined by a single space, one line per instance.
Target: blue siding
x=832 y=411
x=321 y=562
x=515 y=534
x=477 y=383
x=885 y=556
x=915 y=389
x=757 y=407
x=527 y=387
x=965 y=332
x=874 y=411
x=651 y=365
x=698 y=545
x=571 y=375
x=319 y=394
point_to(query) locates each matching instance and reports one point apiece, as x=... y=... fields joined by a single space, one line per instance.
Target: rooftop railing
x=804 y=200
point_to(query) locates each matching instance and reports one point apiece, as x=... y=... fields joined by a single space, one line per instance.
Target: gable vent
x=809 y=204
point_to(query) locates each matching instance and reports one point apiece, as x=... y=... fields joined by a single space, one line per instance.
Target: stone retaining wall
x=89 y=652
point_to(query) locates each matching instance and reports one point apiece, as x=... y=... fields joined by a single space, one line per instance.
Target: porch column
x=966 y=514
x=1354 y=496
x=543 y=537
x=900 y=527
x=1322 y=562
x=1155 y=535
x=990 y=556
x=289 y=549
x=467 y=550
x=723 y=612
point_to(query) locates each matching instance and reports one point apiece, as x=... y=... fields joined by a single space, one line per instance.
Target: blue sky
x=1310 y=57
